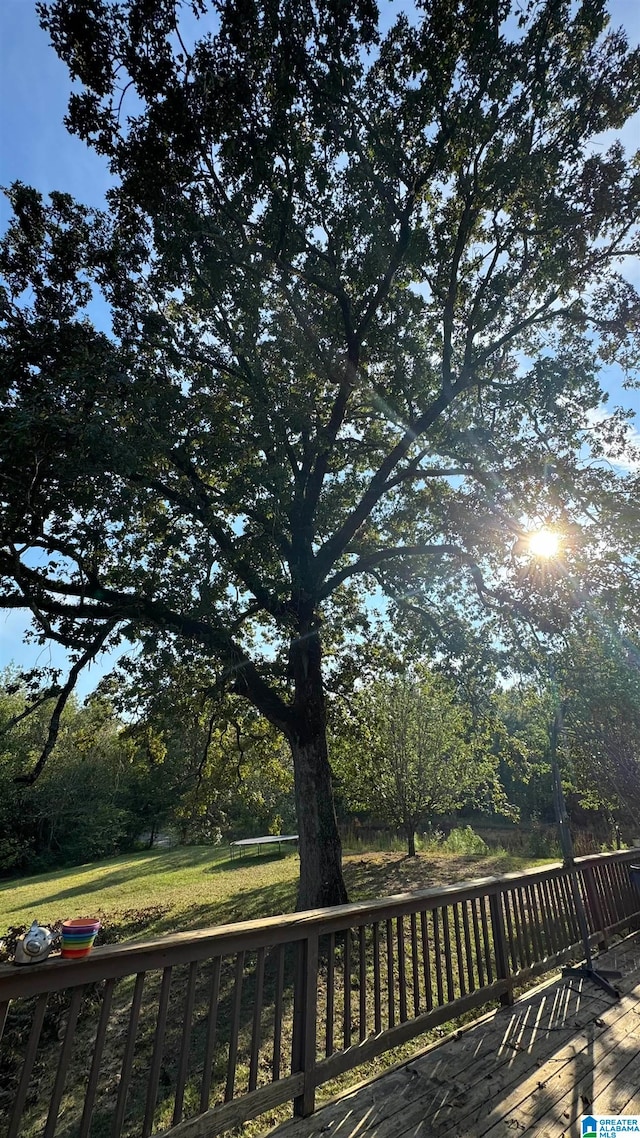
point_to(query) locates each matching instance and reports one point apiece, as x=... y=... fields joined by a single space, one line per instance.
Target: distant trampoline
x=238 y=848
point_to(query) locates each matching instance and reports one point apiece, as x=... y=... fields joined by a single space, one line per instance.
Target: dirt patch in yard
x=383 y=874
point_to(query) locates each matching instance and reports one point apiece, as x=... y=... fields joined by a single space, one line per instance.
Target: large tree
x=360 y=286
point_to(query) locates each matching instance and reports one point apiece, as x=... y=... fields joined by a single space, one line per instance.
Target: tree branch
x=120 y=607
x=65 y=692
x=336 y=545
x=51 y=693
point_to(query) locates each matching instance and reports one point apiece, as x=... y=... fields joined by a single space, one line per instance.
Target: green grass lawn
x=196 y=886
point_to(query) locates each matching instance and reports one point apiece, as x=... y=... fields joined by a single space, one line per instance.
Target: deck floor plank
x=559 y=1098
x=531 y=1069
x=555 y=1073
x=606 y=1089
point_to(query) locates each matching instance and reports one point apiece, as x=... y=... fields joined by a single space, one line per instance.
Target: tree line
x=406 y=749
x=115 y=785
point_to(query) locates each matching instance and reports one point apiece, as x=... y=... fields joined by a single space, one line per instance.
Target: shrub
x=464 y=840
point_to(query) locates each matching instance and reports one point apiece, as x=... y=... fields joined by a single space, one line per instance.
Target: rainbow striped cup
x=78 y=936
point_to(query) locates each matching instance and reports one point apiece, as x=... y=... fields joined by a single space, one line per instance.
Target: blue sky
x=35 y=148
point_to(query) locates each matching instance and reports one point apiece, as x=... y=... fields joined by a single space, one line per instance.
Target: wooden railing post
x=503 y=972
x=593 y=904
x=305 y=1005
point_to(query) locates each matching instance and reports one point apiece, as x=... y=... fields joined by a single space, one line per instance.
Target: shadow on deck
x=564 y=1050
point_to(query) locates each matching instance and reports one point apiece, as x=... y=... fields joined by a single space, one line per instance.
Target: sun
x=544 y=543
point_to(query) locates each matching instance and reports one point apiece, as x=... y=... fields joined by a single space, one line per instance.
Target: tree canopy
x=171 y=768
x=410 y=750
x=361 y=285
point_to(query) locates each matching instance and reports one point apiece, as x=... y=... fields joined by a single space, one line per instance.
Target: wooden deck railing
x=194 y=1033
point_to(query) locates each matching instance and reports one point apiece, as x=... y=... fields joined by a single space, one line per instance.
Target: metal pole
x=586 y=970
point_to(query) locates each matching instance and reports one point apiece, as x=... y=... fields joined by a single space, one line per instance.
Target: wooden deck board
x=532 y=1069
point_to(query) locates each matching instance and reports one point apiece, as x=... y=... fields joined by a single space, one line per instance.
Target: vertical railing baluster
x=158 y=1050
x=414 y=965
x=185 y=1043
x=467 y=946
x=632 y=904
x=377 y=993
x=568 y=904
x=613 y=889
x=563 y=926
x=346 y=993
x=277 y=1013
x=476 y=941
x=257 y=1020
x=482 y=901
x=362 y=980
x=500 y=944
x=531 y=930
x=331 y=950
x=210 y=1045
x=594 y=912
x=438 y=956
x=571 y=883
x=402 y=974
x=235 y=1028
x=459 y=957
x=605 y=894
x=518 y=923
x=539 y=930
x=554 y=939
x=127 y=1061
x=63 y=1063
x=622 y=885
x=98 y=1047
x=448 y=961
x=511 y=939
x=545 y=928
x=390 y=976
x=426 y=960
x=522 y=926
x=305 y=1014
x=601 y=899
x=27 y=1066
x=625 y=887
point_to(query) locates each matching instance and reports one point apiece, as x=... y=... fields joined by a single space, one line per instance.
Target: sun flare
x=544 y=543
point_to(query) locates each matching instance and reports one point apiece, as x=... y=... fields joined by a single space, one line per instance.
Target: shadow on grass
x=150 y=863
x=384 y=874
x=245 y=905
x=376 y=875
x=366 y=878
x=241 y=905
x=234 y=863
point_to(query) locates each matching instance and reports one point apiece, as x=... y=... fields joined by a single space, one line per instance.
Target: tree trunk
x=411 y=840
x=321 y=880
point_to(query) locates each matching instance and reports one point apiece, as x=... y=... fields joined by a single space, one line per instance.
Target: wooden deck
x=532 y=1069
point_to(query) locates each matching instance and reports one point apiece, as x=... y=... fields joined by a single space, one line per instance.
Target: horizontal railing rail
x=194 y=1033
